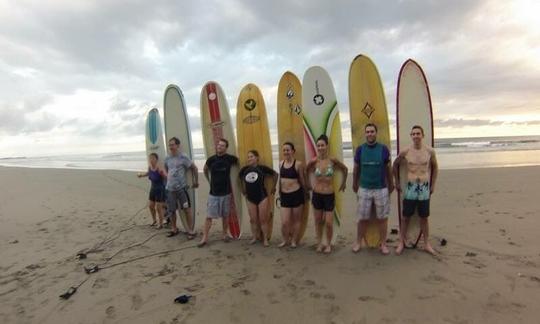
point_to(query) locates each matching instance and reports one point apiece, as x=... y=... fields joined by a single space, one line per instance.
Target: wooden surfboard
x=321 y=116
x=413 y=107
x=367 y=105
x=216 y=124
x=253 y=133
x=290 y=125
x=177 y=125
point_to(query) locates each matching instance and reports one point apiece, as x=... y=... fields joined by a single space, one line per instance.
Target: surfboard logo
x=250 y=104
x=368 y=110
x=296 y=109
x=318 y=99
x=251 y=119
x=290 y=94
x=212 y=96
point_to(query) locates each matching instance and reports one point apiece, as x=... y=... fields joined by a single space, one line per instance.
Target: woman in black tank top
x=291 y=193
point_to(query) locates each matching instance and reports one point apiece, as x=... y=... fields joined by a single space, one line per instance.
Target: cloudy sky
x=78 y=76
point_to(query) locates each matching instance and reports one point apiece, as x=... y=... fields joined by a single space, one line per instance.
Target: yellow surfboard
x=291 y=126
x=367 y=105
x=253 y=134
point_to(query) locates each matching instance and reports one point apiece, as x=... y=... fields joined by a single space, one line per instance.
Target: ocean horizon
x=452 y=153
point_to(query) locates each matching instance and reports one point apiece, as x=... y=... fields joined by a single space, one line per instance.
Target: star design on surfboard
x=318 y=99
x=297 y=109
x=368 y=110
x=250 y=104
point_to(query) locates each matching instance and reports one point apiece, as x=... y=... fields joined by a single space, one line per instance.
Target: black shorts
x=157 y=194
x=326 y=202
x=292 y=199
x=409 y=206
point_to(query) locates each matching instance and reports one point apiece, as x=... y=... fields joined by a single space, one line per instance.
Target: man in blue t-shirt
x=373 y=183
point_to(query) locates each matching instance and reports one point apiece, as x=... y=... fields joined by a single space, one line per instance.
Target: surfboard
x=177 y=125
x=321 y=116
x=216 y=124
x=413 y=107
x=253 y=134
x=291 y=127
x=154 y=136
x=367 y=105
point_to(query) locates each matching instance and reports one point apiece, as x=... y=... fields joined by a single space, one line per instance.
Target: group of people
x=374 y=179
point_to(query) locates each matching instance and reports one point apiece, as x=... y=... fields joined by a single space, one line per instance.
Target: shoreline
x=488 y=271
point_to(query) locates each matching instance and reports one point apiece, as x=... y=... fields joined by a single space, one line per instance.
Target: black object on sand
x=443 y=242
x=182 y=299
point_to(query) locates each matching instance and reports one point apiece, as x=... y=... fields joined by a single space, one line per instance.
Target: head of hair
x=154 y=155
x=290 y=144
x=224 y=141
x=323 y=138
x=418 y=127
x=175 y=139
x=371 y=125
x=254 y=152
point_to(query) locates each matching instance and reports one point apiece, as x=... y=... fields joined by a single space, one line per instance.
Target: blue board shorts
x=218 y=206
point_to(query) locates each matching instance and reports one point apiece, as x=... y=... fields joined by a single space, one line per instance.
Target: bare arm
x=206 y=172
x=395 y=169
x=142 y=174
x=301 y=174
x=389 y=178
x=195 y=172
x=356 y=172
x=343 y=169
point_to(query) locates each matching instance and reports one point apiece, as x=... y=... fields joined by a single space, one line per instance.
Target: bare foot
x=356 y=247
x=384 y=249
x=320 y=248
x=282 y=244
x=399 y=248
x=266 y=244
x=253 y=241
x=429 y=249
x=293 y=245
x=328 y=249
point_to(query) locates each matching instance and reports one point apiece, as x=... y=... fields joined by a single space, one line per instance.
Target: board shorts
x=157 y=194
x=178 y=199
x=292 y=199
x=416 y=197
x=369 y=197
x=325 y=202
x=218 y=206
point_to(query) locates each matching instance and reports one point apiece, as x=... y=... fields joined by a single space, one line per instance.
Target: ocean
x=452 y=153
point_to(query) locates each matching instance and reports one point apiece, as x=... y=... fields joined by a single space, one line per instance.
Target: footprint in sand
x=101 y=283
x=136 y=302
x=272 y=298
x=315 y=295
x=111 y=312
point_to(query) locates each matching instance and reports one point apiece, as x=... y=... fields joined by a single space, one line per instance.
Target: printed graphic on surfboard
x=154 y=136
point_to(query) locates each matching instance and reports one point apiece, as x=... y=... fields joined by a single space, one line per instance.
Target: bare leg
x=361 y=229
x=286 y=215
x=207 y=226
x=189 y=221
x=253 y=221
x=264 y=218
x=225 y=227
x=424 y=226
x=383 y=229
x=152 y=208
x=296 y=224
x=329 y=225
x=319 y=223
x=160 y=212
x=402 y=234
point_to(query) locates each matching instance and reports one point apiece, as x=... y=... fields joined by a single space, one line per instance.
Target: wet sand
x=488 y=271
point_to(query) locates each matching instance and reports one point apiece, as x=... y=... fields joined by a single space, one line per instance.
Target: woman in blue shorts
x=252 y=179
x=156 y=198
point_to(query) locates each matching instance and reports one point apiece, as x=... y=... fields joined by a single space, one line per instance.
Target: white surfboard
x=413 y=107
x=321 y=116
x=177 y=125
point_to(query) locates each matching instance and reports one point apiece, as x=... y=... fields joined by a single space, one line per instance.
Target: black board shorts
x=409 y=207
x=292 y=199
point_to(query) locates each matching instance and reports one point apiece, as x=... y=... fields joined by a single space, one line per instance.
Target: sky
x=79 y=76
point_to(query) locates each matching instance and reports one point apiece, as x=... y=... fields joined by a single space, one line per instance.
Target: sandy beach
x=487 y=273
